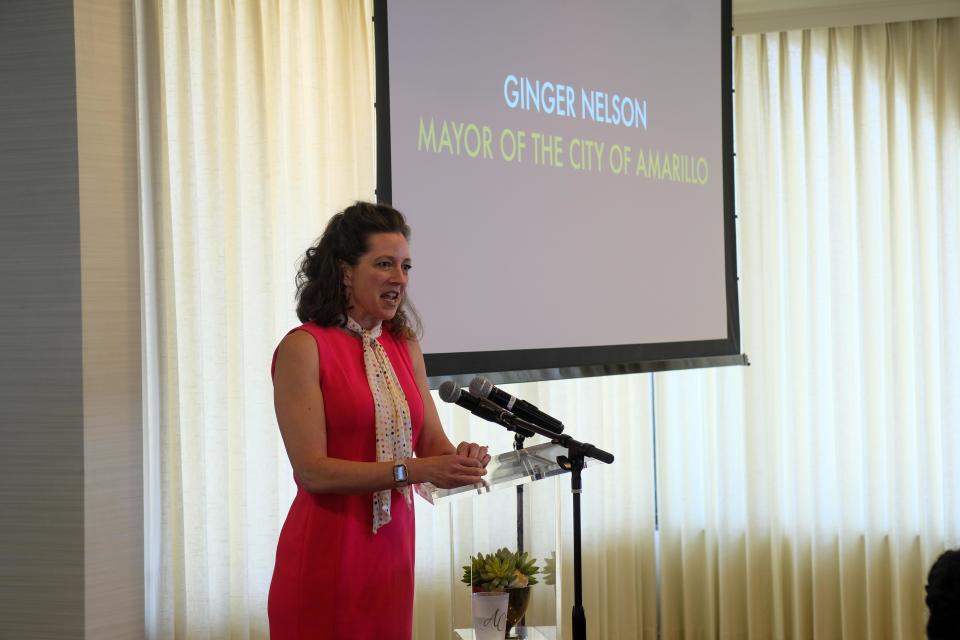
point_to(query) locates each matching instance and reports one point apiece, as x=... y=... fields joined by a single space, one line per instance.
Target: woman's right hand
x=446 y=471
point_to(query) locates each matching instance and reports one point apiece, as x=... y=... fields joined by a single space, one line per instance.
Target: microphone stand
x=573 y=462
x=518 y=440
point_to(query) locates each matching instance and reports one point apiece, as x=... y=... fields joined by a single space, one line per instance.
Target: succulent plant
x=503 y=569
x=550 y=569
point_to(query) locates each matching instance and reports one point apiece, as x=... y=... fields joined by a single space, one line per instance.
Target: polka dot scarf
x=392 y=414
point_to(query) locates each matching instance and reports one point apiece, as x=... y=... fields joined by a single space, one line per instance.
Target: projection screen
x=567 y=170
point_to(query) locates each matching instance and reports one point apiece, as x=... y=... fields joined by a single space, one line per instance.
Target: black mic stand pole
x=517 y=446
x=572 y=462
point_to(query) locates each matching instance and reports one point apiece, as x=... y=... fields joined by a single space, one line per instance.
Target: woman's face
x=377 y=283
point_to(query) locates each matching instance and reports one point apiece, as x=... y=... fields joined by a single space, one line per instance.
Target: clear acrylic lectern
x=518 y=507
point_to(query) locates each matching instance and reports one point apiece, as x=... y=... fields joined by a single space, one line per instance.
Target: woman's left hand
x=474 y=450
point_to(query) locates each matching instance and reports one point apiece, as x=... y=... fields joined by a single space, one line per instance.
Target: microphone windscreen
x=481 y=387
x=449 y=391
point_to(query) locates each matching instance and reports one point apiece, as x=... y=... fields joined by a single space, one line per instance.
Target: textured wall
x=41 y=410
x=70 y=423
x=110 y=286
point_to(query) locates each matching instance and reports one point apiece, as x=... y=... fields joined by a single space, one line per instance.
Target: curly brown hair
x=321 y=295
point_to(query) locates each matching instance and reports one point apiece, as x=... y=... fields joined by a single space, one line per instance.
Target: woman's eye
x=407 y=267
x=384 y=264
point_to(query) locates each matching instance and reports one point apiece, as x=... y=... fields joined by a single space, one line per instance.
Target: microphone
x=483 y=388
x=450 y=391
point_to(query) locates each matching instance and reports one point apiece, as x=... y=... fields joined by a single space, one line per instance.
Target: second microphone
x=483 y=388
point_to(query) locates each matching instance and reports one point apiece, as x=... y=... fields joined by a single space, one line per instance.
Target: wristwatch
x=400 y=477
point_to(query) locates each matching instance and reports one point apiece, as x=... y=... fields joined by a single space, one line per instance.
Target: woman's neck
x=367 y=323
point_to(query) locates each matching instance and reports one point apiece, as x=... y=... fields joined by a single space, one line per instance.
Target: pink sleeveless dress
x=334 y=577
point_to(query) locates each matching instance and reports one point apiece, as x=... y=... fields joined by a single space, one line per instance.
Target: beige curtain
x=804 y=496
x=256 y=123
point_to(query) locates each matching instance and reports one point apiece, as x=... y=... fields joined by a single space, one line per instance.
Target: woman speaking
x=361 y=431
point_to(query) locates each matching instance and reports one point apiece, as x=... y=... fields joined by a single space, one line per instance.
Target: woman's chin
x=389 y=313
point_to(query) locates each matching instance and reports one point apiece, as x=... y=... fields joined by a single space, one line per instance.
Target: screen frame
x=528 y=365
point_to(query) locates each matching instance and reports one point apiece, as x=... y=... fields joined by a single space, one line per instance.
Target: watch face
x=400 y=473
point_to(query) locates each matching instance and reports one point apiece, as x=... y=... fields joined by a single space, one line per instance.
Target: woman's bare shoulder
x=298 y=348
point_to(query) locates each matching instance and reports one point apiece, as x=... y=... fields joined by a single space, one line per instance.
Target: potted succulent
x=504 y=570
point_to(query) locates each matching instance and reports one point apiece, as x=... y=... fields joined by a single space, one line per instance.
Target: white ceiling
x=752 y=16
